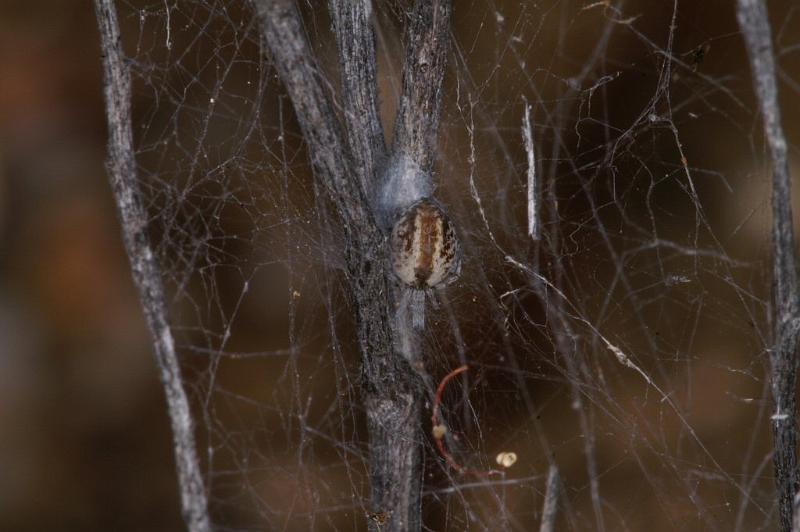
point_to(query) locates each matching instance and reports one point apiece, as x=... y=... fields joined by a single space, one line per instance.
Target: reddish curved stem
x=439 y=436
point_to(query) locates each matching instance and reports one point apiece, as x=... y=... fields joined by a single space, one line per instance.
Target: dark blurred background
x=84 y=437
x=85 y=440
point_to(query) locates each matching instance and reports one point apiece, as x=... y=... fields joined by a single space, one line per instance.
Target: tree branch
x=408 y=176
x=426 y=39
x=121 y=166
x=550 y=507
x=753 y=20
x=288 y=45
x=393 y=393
x=356 y=43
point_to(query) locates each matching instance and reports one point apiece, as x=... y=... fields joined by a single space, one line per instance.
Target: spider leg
x=418 y=309
x=431 y=294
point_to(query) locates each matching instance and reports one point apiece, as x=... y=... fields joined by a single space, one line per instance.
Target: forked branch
x=348 y=166
x=291 y=53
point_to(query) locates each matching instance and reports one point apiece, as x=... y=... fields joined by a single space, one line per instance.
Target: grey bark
x=121 y=167
x=754 y=23
x=796 y=511
x=351 y=169
x=356 y=44
x=426 y=37
x=408 y=176
x=550 y=508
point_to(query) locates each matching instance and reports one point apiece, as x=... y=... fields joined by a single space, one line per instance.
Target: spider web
x=626 y=345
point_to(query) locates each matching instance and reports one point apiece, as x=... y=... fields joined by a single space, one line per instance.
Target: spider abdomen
x=424 y=247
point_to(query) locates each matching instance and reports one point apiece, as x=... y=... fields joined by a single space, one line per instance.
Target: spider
x=425 y=254
x=424 y=248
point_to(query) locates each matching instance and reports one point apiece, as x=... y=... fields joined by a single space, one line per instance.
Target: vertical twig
x=796 y=512
x=409 y=174
x=550 y=507
x=754 y=23
x=356 y=43
x=426 y=38
x=533 y=200
x=146 y=272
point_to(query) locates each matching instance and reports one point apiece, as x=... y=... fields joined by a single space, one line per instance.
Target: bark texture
x=350 y=168
x=753 y=20
x=122 y=174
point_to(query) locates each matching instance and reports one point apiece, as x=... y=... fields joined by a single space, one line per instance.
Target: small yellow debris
x=295 y=294
x=379 y=517
x=506 y=459
x=439 y=431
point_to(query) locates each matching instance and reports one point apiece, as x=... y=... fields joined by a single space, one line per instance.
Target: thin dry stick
x=753 y=20
x=796 y=510
x=550 y=507
x=146 y=272
x=533 y=201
